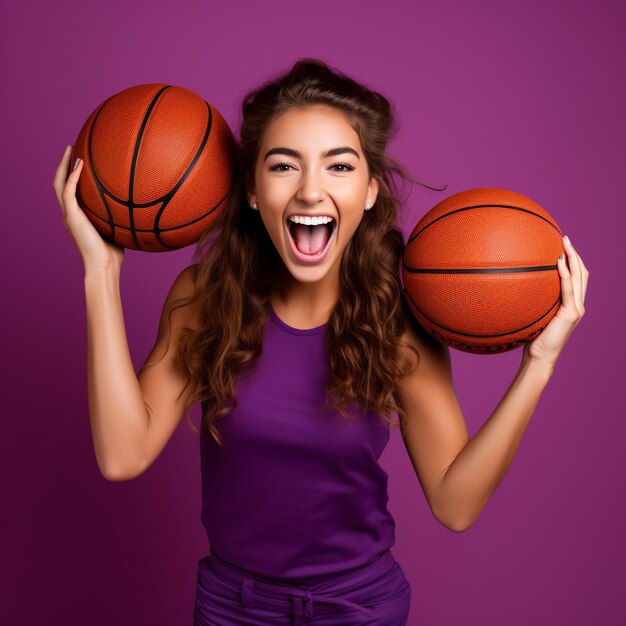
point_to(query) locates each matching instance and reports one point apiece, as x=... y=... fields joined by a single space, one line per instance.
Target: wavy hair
x=237 y=266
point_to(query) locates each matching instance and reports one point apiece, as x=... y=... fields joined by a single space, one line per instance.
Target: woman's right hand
x=96 y=252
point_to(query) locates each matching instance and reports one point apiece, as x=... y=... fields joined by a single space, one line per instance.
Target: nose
x=311 y=190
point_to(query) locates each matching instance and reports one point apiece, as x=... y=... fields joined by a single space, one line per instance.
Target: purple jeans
x=375 y=595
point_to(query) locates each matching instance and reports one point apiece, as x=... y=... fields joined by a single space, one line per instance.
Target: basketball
x=479 y=270
x=158 y=167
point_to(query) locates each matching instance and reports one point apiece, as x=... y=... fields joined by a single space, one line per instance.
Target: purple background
x=526 y=97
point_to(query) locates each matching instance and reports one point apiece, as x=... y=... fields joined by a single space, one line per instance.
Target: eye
x=277 y=166
x=347 y=167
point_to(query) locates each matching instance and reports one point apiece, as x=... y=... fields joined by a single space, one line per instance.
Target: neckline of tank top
x=295 y=331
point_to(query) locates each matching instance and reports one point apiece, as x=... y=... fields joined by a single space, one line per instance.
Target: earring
x=368 y=206
x=255 y=207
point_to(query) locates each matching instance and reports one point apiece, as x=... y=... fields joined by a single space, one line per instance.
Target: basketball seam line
x=481 y=206
x=487 y=270
x=458 y=332
x=133 y=165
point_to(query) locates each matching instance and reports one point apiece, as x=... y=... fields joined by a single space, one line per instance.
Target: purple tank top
x=296 y=491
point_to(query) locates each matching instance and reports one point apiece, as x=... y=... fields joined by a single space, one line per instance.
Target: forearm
x=475 y=473
x=117 y=411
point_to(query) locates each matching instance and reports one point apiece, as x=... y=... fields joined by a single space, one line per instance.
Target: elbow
x=456 y=525
x=115 y=473
x=114 y=477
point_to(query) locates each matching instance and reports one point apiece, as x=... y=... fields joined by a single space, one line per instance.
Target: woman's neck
x=306 y=305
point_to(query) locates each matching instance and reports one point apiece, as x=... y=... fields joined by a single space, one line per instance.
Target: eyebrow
x=324 y=155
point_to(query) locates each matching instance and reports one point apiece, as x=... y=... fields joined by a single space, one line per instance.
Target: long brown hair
x=237 y=266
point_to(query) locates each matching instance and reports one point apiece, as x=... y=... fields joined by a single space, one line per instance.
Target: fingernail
x=77 y=162
x=561 y=257
x=567 y=239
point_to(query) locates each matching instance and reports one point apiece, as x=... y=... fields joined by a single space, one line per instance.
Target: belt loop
x=302 y=606
x=247 y=592
x=308 y=607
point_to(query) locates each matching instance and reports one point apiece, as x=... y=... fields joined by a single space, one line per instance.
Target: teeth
x=310 y=221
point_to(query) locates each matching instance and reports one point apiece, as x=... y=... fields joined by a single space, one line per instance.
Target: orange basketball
x=158 y=167
x=480 y=270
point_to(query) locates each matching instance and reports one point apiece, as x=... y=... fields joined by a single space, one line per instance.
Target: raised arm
x=127 y=435
x=459 y=475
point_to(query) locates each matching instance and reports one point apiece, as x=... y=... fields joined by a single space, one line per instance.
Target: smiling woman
x=294 y=337
x=289 y=331
x=315 y=181
x=312 y=146
x=295 y=357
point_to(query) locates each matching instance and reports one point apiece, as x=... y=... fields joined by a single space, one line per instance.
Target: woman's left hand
x=547 y=346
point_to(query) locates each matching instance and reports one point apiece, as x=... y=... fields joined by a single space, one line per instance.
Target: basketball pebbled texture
x=158 y=167
x=480 y=270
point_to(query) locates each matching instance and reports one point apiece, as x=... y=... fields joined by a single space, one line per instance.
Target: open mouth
x=311 y=240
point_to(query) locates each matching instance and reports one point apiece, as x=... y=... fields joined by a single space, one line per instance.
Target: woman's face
x=311 y=164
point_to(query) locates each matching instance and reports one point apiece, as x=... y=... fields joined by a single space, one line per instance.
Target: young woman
x=291 y=331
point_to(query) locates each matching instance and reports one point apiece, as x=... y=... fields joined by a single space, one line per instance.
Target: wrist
x=102 y=272
x=543 y=369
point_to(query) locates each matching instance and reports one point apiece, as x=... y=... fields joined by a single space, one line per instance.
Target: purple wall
x=525 y=97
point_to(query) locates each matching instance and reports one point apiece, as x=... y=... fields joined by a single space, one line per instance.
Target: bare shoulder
x=180 y=311
x=433 y=354
x=179 y=300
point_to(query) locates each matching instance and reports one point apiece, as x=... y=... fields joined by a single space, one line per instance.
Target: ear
x=372 y=190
